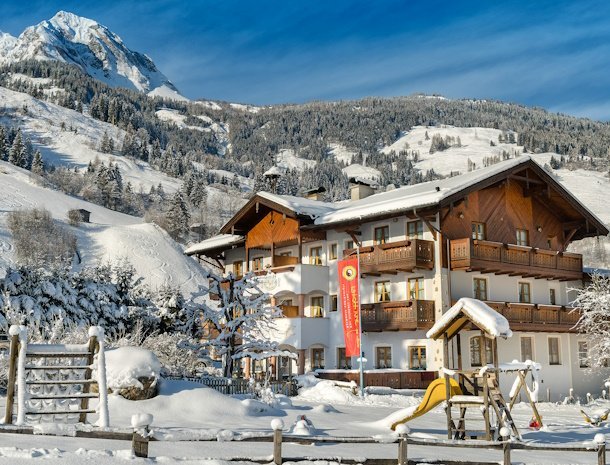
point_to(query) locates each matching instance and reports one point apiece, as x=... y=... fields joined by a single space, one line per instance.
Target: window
x=257 y=263
x=382 y=235
x=238 y=269
x=554 y=351
x=476 y=356
x=478 y=231
x=527 y=348
x=525 y=296
x=317 y=306
x=317 y=358
x=415 y=286
x=382 y=291
x=552 y=297
x=583 y=354
x=415 y=230
x=523 y=237
x=334 y=303
x=343 y=362
x=315 y=256
x=349 y=245
x=332 y=252
x=384 y=357
x=480 y=288
x=549 y=242
x=286 y=254
x=417 y=358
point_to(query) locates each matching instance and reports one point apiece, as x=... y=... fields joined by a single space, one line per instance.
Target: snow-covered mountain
x=92 y=47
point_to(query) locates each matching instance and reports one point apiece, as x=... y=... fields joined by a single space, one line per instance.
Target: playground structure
x=55 y=380
x=477 y=389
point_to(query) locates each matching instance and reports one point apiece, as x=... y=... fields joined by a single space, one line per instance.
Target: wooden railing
x=476 y=255
x=290 y=311
x=285 y=260
x=396 y=256
x=405 y=315
x=537 y=317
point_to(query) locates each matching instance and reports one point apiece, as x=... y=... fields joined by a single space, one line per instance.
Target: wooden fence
x=597 y=447
x=230 y=386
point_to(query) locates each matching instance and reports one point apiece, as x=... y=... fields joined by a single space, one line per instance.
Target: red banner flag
x=349 y=290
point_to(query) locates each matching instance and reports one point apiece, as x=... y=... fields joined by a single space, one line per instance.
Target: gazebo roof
x=467 y=310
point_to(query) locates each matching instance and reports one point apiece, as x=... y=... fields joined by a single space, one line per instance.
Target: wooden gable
x=273 y=228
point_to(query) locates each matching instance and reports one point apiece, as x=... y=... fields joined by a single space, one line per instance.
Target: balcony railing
x=396 y=256
x=496 y=257
x=290 y=311
x=405 y=315
x=537 y=317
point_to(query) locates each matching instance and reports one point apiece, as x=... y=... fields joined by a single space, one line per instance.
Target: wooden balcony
x=537 y=317
x=393 y=257
x=290 y=311
x=515 y=260
x=405 y=315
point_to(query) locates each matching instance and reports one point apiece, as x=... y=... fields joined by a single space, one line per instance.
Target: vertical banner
x=350 y=304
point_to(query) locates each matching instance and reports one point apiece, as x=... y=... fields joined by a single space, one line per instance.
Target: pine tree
x=105 y=145
x=178 y=217
x=16 y=154
x=199 y=194
x=38 y=163
x=3 y=145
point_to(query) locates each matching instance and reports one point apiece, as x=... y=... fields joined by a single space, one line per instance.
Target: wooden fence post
x=277 y=426
x=600 y=440
x=12 y=375
x=139 y=441
x=403 y=431
x=505 y=437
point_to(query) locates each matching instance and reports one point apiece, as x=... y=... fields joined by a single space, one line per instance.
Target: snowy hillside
x=110 y=235
x=42 y=122
x=95 y=49
x=474 y=144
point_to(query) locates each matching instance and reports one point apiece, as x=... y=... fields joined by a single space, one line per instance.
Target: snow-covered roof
x=479 y=313
x=404 y=198
x=300 y=205
x=215 y=242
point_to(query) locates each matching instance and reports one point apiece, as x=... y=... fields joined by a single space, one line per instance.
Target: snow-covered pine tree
x=3 y=145
x=240 y=321
x=178 y=217
x=16 y=154
x=38 y=164
x=594 y=303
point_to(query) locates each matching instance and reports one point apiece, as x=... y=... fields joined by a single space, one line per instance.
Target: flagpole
x=360 y=322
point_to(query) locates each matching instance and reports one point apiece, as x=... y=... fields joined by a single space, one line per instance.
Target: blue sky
x=550 y=54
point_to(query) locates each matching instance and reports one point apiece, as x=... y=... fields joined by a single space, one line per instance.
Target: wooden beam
x=526 y=179
x=568 y=239
x=572 y=225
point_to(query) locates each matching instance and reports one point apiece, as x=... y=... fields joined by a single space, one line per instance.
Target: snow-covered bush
x=94 y=296
x=38 y=240
x=178 y=354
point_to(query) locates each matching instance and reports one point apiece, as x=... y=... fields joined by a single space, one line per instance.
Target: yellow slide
x=435 y=394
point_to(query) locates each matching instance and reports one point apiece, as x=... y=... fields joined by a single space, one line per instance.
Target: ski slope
x=42 y=122
x=110 y=235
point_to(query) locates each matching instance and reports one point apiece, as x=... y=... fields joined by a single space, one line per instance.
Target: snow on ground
x=475 y=146
x=288 y=158
x=362 y=172
x=110 y=235
x=42 y=123
x=208 y=104
x=166 y=92
x=341 y=153
x=185 y=411
x=242 y=107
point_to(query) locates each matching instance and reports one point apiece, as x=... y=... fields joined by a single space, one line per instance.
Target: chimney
x=361 y=188
x=315 y=194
